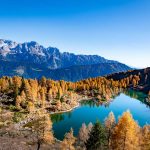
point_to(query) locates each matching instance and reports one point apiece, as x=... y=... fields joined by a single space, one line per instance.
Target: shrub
x=17 y=117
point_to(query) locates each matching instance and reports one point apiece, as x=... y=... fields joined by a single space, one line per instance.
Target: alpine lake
x=89 y=111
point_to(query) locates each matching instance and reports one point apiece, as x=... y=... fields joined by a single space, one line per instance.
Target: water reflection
x=92 y=103
x=137 y=95
x=57 y=117
x=90 y=111
x=60 y=116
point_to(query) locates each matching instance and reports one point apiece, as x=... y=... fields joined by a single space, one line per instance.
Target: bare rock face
x=33 y=60
x=52 y=57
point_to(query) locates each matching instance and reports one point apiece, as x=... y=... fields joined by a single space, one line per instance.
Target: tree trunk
x=39 y=145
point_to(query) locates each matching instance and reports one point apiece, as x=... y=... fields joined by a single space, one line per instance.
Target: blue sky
x=115 y=29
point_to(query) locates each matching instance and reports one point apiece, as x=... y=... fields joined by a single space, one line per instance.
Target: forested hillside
x=142 y=75
x=25 y=104
x=73 y=73
x=32 y=93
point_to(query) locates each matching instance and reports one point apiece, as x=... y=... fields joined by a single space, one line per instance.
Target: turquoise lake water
x=90 y=112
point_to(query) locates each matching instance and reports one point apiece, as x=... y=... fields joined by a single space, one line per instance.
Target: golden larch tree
x=126 y=133
x=110 y=123
x=68 y=142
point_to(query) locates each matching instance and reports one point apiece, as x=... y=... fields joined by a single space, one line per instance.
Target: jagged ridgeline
x=29 y=94
x=32 y=60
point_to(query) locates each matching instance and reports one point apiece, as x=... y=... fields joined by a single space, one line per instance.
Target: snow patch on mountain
x=51 y=57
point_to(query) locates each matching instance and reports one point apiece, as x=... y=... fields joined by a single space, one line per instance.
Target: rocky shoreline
x=72 y=108
x=78 y=105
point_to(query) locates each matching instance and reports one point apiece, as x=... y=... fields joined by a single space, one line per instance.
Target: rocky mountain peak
x=51 y=56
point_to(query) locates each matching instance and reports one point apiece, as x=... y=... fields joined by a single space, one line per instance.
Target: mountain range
x=33 y=60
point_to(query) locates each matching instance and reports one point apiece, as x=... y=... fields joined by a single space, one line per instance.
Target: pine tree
x=97 y=138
